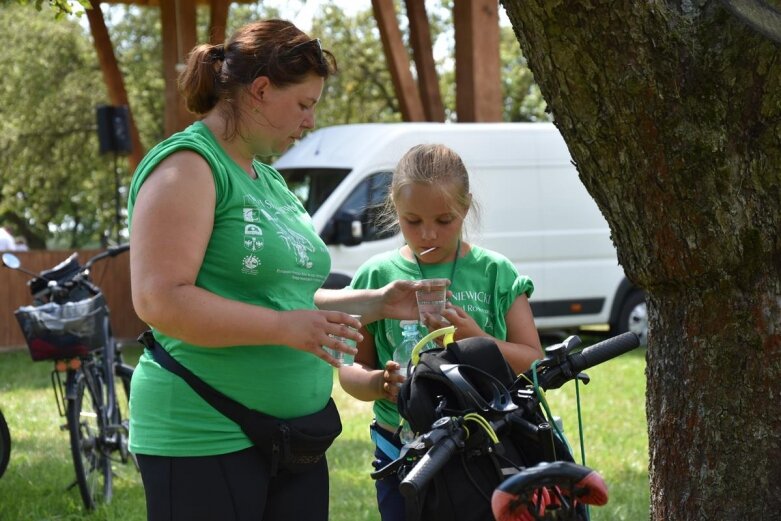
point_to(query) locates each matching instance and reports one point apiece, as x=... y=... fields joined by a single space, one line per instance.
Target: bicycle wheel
x=5 y=444
x=90 y=454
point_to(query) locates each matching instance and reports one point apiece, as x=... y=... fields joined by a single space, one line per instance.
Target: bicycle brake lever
x=416 y=447
x=388 y=469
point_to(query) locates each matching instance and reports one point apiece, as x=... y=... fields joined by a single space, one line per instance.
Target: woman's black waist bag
x=292 y=445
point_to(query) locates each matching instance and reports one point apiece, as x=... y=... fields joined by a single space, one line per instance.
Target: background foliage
x=58 y=191
x=50 y=169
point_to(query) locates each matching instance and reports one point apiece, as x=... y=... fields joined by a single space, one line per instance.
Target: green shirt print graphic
x=296 y=242
x=253 y=233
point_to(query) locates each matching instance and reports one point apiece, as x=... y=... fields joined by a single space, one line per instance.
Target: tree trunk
x=673 y=116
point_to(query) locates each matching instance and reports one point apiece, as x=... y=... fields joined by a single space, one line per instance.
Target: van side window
x=366 y=202
x=312 y=186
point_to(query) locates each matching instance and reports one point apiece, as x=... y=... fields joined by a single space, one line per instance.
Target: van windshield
x=312 y=186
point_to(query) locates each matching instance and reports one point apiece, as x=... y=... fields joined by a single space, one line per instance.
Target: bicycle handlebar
x=68 y=273
x=112 y=251
x=556 y=370
x=435 y=458
x=604 y=351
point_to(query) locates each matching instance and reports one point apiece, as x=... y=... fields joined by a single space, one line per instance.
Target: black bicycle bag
x=472 y=376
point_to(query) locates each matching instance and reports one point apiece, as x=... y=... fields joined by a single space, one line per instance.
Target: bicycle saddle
x=560 y=485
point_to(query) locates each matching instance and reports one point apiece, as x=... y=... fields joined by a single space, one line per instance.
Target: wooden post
x=398 y=61
x=428 y=82
x=218 y=19
x=177 y=18
x=478 y=80
x=185 y=22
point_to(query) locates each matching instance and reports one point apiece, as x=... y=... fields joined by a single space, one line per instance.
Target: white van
x=533 y=209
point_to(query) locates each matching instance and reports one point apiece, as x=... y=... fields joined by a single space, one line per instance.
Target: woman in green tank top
x=226 y=269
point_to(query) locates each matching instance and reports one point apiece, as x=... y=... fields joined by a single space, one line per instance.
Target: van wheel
x=633 y=317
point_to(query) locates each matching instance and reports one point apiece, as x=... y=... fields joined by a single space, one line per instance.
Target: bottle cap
x=405 y=323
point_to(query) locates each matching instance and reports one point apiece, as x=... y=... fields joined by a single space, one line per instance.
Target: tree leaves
x=54 y=182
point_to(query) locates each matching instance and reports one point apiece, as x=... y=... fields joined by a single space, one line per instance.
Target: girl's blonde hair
x=434 y=165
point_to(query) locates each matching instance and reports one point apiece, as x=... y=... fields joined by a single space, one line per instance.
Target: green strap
x=544 y=403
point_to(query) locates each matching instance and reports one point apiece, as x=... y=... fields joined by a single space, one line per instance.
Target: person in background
x=429 y=199
x=21 y=244
x=226 y=269
x=7 y=242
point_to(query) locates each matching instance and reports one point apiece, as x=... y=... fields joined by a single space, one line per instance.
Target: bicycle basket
x=57 y=331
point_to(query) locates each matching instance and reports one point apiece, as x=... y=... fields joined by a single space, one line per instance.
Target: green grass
x=34 y=485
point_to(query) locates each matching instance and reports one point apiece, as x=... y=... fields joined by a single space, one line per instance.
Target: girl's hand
x=465 y=325
x=310 y=331
x=391 y=381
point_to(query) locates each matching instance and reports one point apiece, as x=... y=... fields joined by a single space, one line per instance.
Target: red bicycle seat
x=557 y=486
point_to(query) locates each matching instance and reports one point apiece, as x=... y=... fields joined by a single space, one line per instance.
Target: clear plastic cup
x=344 y=358
x=432 y=297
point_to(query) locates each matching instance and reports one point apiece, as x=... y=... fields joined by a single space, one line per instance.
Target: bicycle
x=5 y=444
x=550 y=485
x=68 y=323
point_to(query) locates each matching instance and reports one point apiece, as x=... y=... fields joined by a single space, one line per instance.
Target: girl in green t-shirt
x=429 y=199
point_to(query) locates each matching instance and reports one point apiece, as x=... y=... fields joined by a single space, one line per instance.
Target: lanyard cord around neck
x=452 y=272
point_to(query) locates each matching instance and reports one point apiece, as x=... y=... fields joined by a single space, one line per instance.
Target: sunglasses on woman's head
x=315 y=43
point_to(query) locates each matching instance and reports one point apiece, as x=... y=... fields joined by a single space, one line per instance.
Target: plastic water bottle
x=406 y=435
x=410 y=336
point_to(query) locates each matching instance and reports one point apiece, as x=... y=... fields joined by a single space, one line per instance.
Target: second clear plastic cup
x=432 y=297
x=344 y=358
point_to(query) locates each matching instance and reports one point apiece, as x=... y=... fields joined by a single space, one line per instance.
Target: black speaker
x=114 y=129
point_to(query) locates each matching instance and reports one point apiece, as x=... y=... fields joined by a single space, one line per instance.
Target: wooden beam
x=218 y=19
x=185 y=22
x=112 y=76
x=170 y=58
x=177 y=18
x=423 y=53
x=398 y=61
x=478 y=80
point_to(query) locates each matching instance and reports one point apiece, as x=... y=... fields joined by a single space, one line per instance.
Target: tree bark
x=672 y=112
